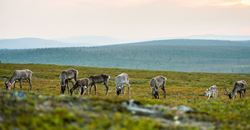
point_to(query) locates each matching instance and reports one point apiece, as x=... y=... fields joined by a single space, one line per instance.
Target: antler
x=226 y=91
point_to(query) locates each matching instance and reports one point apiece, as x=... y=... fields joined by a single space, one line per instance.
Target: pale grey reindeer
x=156 y=83
x=19 y=75
x=120 y=81
x=65 y=77
x=239 y=87
x=102 y=78
x=211 y=92
x=83 y=84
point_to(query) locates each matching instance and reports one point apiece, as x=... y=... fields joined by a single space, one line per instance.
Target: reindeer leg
x=87 y=90
x=164 y=92
x=90 y=89
x=72 y=89
x=128 y=89
x=80 y=91
x=20 y=81
x=73 y=83
x=107 y=88
x=84 y=90
x=30 y=83
x=68 y=87
x=95 y=88
x=14 y=85
x=122 y=90
x=152 y=90
x=63 y=89
x=208 y=97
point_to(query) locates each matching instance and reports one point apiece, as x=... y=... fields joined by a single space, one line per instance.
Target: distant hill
x=32 y=43
x=176 y=55
x=220 y=37
x=91 y=40
x=28 y=43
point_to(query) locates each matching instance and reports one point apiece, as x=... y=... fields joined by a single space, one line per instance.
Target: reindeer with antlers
x=239 y=87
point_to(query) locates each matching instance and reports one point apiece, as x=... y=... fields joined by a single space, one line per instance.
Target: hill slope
x=43 y=108
x=176 y=55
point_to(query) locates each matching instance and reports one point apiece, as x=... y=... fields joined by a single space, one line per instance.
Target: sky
x=124 y=19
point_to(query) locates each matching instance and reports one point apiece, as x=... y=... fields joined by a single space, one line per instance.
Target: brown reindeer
x=158 y=82
x=65 y=77
x=19 y=75
x=102 y=78
x=83 y=84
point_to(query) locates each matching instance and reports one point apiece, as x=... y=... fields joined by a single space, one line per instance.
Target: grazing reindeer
x=239 y=87
x=19 y=75
x=102 y=78
x=65 y=77
x=83 y=84
x=211 y=92
x=120 y=80
x=158 y=82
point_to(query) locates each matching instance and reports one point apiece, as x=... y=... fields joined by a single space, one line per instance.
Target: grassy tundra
x=43 y=108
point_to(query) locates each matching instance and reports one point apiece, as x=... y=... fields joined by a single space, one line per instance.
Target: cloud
x=123 y=18
x=104 y=3
x=136 y=3
x=221 y=2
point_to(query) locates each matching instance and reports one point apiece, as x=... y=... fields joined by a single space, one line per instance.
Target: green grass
x=182 y=89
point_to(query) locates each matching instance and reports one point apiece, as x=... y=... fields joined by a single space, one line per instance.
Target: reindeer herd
x=84 y=85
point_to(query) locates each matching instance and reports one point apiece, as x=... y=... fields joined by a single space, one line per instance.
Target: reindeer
x=19 y=75
x=120 y=80
x=211 y=92
x=65 y=77
x=83 y=84
x=102 y=78
x=239 y=87
x=158 y=82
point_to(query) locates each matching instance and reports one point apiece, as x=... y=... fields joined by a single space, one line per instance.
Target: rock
x=19 y=95
x=135 y=108
x=45 y=106
x=183 y=108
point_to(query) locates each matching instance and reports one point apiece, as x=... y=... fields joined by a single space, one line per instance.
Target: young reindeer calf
x=83 y=84
x=211 y=92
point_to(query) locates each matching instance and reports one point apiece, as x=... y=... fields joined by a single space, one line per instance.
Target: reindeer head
x=206 y=92
x=7 y=85
x=155 y=94
x=118 y=90
x=229 y=94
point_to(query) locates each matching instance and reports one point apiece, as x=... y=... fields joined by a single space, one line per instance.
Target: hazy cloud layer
x=129 y=19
